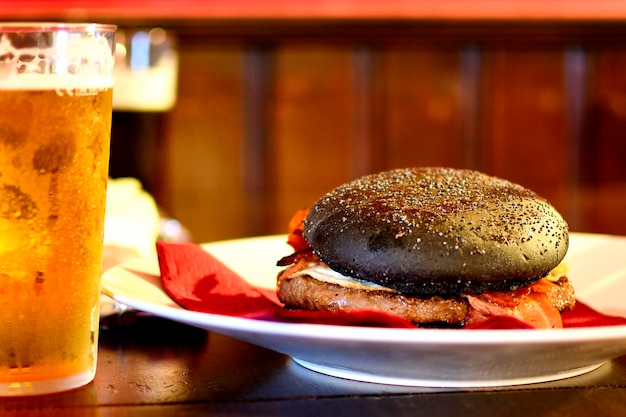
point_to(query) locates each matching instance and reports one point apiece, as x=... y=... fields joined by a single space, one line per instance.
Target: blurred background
x=234 y=114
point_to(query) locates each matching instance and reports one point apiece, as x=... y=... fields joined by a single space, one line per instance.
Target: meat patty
x=299 y=290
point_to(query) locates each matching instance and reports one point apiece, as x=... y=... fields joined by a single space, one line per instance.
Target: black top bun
x=437 y=231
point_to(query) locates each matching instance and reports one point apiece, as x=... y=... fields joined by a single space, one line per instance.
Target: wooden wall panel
x=423 y=109
x=205 y=188
x=603 y=161
x=526 y=138
x=312 y=125
x=607 y=142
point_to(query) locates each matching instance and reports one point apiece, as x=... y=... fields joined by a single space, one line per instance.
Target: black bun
x=437 y=231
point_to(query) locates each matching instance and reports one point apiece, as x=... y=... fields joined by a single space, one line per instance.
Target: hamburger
x=439 y=247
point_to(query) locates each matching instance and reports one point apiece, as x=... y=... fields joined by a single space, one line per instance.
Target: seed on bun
x=456 y=235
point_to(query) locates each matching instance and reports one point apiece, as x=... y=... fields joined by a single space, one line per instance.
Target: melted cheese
x=558 y=272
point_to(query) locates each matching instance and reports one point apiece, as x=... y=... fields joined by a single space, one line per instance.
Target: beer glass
x=56 y=84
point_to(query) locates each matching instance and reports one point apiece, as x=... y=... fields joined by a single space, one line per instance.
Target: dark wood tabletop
x=149 y=366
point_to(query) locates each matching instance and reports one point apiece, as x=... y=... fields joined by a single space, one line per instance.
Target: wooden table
x=151 y=366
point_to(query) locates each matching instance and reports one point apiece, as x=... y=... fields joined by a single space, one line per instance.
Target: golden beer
x=54 y=154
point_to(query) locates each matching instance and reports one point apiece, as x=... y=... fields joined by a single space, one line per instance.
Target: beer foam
x=74 y=64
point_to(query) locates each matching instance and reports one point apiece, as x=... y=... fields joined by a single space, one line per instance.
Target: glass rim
x=47 y=27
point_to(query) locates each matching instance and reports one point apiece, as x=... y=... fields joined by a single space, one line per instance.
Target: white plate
x=420 y=357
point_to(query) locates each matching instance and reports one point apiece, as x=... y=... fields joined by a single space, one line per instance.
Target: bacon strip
x=538 y=304
x=296 y=229
x=305 y=254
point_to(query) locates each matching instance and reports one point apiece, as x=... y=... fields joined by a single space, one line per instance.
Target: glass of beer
x=56 y=84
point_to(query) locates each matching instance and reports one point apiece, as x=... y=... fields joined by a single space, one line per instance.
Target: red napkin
x=198 y=281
